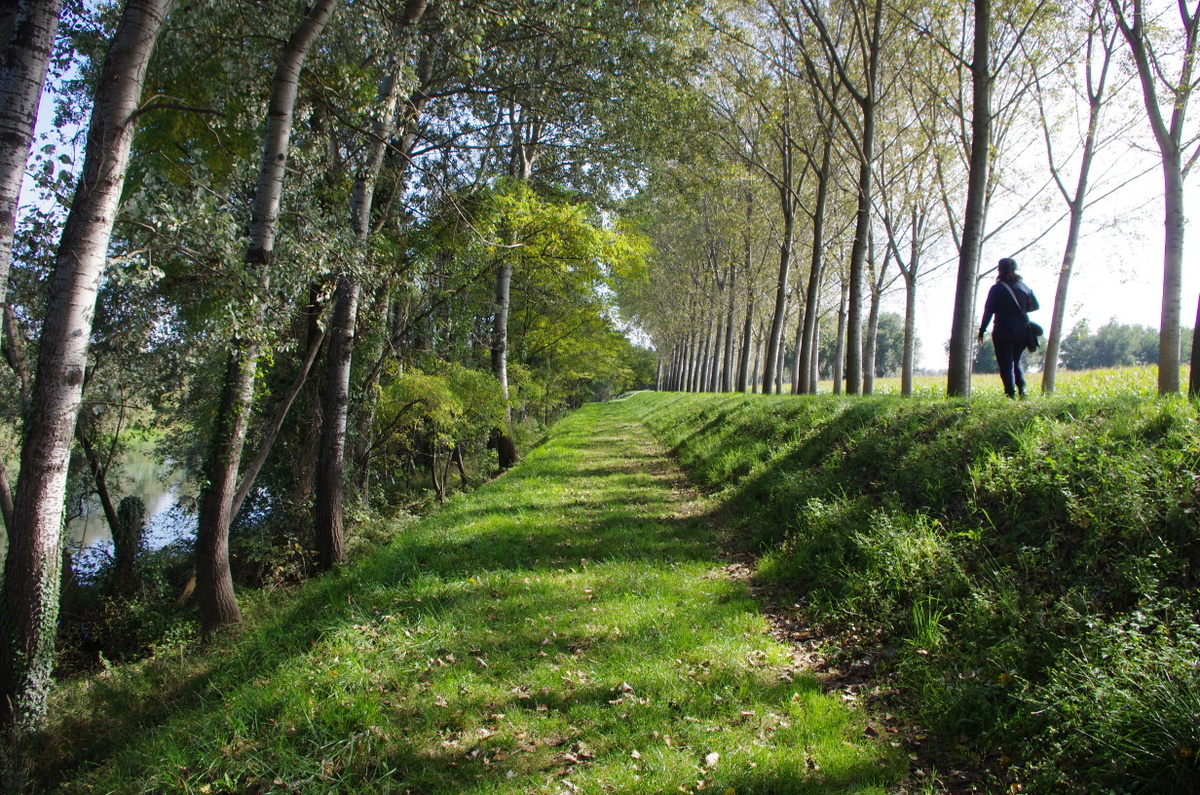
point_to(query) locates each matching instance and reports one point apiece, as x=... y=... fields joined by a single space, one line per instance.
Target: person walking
x=1009 y=300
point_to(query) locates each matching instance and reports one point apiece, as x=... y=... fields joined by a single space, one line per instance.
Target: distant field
x=1094 y=383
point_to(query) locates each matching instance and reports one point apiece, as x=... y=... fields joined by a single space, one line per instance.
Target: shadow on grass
x=518 y=533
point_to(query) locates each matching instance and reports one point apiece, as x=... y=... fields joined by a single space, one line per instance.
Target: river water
x=169 y=502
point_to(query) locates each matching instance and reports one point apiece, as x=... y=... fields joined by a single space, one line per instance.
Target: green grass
x=568 y=627
x=1028 y=570
x=1112 y=382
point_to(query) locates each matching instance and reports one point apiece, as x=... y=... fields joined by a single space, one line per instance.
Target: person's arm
x=1033 y=304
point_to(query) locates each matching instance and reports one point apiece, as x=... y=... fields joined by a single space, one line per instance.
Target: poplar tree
x=29 y=598
x=214 y=581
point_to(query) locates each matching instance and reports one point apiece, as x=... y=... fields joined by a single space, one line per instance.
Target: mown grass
x=1025 y=573
x=569 y=627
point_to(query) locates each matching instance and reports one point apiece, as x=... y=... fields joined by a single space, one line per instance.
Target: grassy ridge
x=568 y=627
x=1029 y=569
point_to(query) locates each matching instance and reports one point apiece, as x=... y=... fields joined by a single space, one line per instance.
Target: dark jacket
x=1010 y=319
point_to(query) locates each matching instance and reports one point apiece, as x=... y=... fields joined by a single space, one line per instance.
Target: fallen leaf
x=711 y=759
x=440 y=701
x=634 y=753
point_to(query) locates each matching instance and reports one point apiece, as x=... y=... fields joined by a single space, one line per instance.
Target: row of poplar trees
x=859 y=146
x=277 y=192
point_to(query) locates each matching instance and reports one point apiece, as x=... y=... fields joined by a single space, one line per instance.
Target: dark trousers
x=1009 y=346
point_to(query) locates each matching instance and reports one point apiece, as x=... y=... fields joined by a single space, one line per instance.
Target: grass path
x=569 y=627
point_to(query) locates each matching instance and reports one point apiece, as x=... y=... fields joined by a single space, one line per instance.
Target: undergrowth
x=1030 y=568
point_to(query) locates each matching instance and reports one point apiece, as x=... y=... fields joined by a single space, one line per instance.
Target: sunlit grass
x=568 y=628
x=1142 y=380
x=1110 y=382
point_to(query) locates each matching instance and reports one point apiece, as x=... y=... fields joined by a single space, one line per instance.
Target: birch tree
x=214 y=582
x=29 y=598
x=22 y=73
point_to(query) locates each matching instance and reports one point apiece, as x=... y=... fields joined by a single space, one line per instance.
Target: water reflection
x=168 y=499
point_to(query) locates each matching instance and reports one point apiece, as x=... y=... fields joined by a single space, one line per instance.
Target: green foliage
x=1130 y=694
x=1115 y=345
x=889 y=350
x=1029 y=568
x=453 y=404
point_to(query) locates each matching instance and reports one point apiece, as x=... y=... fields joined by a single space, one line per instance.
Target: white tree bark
x=21 y=77
x=29 y=609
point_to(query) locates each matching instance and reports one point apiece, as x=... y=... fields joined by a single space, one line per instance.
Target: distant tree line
x=1112 y=345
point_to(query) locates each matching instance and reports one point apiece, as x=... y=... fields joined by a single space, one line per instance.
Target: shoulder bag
x=1032 y=330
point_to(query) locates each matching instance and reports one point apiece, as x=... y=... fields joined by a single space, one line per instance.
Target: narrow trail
x=572 y=626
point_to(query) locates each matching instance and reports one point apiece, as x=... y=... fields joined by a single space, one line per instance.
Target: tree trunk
x=29 y=602
x=214 y=580
x=757 y=359
x=1054 y=338
x=871 y=347
x=1075 y=203
x=781 y=285
x=839 y=355
x=799 y=368
x=958 y=379
x=814 y=374
x=505 y=448
x=727 y=372
x=1194 y=374
x=743 y=378
x=714 y=372
x=807 y=350
x=910 y=329
x=1169 y=140
x=778 y=385
x=858 y=255
x=276 y=425
x=29 y=34
x=99 y=478
x=329 y=486
x=872 y=341
x=1172 y=303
